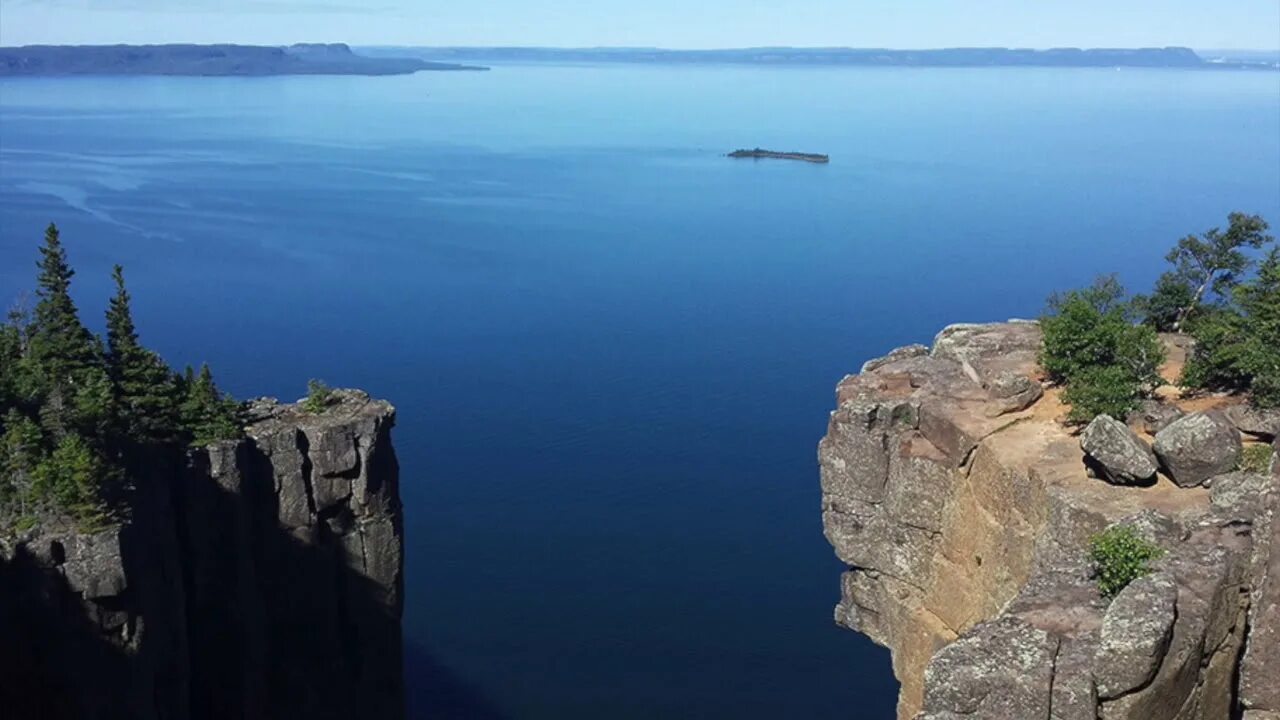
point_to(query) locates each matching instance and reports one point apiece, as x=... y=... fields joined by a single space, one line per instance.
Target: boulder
x=1135 y=635
x=1198 y=447
x=1260 y=423
x=1115 y=453
x=1153 y=416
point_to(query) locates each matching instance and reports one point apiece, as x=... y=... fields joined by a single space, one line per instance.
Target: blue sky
x=668 y=23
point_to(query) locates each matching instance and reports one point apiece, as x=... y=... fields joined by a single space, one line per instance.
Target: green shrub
x=1119 y=557
x=1107 y=390
x=1256 y=459
x=1107 y=363
x=319 y=397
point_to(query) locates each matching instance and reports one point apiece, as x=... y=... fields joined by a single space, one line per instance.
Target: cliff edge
x=963 y=509
x=260 y=578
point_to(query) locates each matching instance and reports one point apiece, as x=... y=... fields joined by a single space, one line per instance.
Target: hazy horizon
x=665 y=24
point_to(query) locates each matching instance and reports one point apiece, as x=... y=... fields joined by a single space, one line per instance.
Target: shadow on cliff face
x=210 y=609
x=55 y=662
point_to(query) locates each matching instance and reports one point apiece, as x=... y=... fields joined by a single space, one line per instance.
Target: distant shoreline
x=1168 y=57
x=207 y=61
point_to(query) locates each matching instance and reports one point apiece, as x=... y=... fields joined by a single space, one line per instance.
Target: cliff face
x=963 y=510
x=255 y=579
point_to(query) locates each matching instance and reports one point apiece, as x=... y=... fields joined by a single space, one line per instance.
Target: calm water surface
x=613 y=350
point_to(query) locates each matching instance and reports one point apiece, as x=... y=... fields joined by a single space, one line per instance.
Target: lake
x=614 y=350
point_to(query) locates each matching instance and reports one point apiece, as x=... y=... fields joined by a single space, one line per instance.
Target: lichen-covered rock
x=1198 y=447
x=1116 y=454
x=1003 y=669
x=1135 y=635
x=1262 y=423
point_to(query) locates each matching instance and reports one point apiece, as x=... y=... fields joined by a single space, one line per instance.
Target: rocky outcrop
x=254 y=579
x=964 y=517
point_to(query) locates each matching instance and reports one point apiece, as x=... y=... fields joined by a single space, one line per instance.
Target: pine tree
x=67 y=357
x=20 y=455
x=208 y=415
x=144 y=392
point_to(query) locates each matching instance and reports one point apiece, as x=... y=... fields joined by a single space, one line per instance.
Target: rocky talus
x=963 y=509
x=254 y=579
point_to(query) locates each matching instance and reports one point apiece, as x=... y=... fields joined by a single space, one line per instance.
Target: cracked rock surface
x=964 y=521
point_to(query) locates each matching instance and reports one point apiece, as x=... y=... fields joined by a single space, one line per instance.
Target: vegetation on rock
x=1257 y=459
x=319 y=397
x=1119 y=556
x=1101 y=346
x=78 y=413
x=1093 y=347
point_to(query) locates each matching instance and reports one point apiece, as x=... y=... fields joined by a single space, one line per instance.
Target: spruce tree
x=144 y=393
x=208 y=415
x=65 y=354
x=20 y=455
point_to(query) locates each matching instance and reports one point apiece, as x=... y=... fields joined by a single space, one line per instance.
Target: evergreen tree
x=20 y=455
x=72 y=476
x=207 y=415
x=144 y=392
x=66 y=356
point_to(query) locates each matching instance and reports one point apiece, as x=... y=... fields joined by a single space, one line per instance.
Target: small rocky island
x=761 y=154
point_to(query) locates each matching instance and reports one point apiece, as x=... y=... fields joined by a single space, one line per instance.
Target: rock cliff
x=254 y=579
x=963 y=510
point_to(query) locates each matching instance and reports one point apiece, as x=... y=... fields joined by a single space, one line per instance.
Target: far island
x=761 y=154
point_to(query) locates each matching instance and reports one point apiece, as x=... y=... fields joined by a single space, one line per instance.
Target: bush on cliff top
x=77 y=411
x=1092 y=347
x=1119 y=557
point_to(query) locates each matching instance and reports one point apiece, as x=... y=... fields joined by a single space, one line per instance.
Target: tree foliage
x=77 y=413
x=1215 y=260
x=1238 y=346
x=1092 y=347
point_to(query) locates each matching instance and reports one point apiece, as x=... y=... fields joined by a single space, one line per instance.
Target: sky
x=1204 y=24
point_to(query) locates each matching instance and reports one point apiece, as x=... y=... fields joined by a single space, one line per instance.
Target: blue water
x=613 y=350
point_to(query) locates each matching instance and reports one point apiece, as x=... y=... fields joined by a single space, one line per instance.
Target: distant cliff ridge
x=306 y=59
x=1171 y=57
x=254 y=579
x=964 y=512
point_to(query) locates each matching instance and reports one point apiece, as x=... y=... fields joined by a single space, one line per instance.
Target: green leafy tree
x=1164 y=307
x=1238 y=348
x=1216 y=259
x=1093 y=348
x=146 y=397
